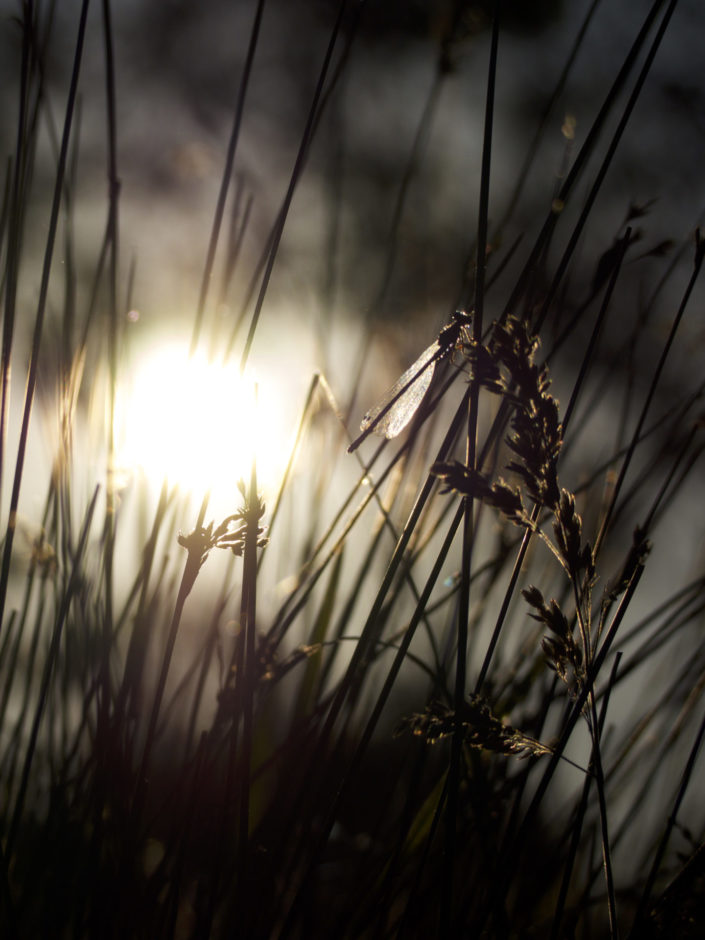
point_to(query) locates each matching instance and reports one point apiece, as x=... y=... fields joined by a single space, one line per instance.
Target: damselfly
x=393 y=412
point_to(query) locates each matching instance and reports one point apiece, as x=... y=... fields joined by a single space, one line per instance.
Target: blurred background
x=376 y=252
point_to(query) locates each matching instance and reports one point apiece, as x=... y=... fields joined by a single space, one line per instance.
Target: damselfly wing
x=397 y=407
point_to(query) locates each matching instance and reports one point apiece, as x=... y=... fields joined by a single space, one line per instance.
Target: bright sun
x=197 y=423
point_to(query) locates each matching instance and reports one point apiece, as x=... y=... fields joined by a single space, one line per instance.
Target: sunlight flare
x=198 y=423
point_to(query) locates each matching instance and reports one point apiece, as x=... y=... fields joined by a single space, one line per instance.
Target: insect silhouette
x=397 y=407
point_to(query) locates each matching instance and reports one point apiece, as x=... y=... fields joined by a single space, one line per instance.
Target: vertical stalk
x=454 y=770
x=14 y=235
x=112 y=240
x=41 y=308
x=196 y=553
x=248 y=678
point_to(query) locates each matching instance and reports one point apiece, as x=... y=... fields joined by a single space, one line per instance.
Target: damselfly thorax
x=398 y=406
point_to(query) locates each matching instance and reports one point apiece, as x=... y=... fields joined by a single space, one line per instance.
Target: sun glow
x=198 y=423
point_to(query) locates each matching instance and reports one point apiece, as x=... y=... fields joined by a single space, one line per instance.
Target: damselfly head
x=454 y=333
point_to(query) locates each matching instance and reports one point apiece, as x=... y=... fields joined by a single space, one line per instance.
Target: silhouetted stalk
x=413 y=162
x=699 y=255
x=112 y=236
x=15 y=232
x=13 y=751
x=663 y=843
x=41 y=307
x=609 y=155
x=675 y=483
x=206 y=662
x=248 y=678
x=602 y=803
x=299 y=164
x=227 y=175
x=556 y=94
x=293 y=605
x=66 y=600
x=4 y=213
x=469 y=531
x=140 y=585
x=239 y=220
x=194 y=560
x=298 y=437
x=10 y=666
x=577 y=826
x=683 y=678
